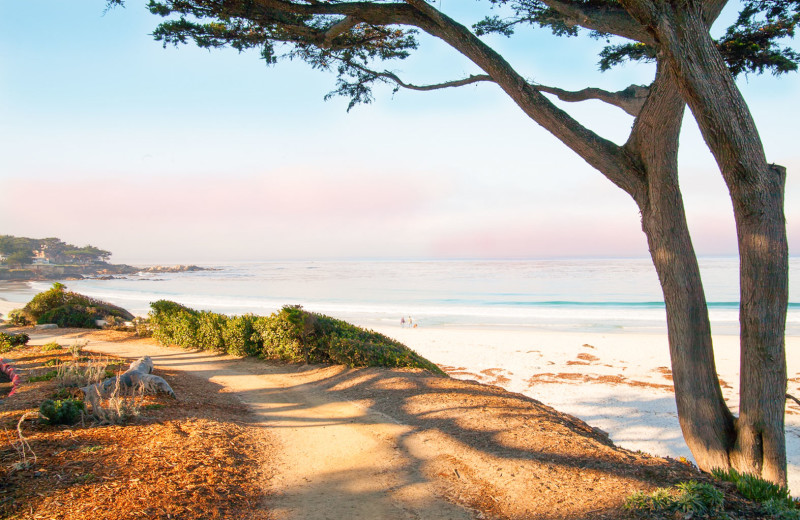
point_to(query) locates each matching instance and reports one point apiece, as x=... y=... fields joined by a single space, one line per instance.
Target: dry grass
x=197 y=457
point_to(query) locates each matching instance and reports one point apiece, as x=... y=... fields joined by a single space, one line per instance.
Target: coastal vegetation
x=20 y=251
x=693 y=68
x=67 y=309
x=23 y=258
x=291 y=334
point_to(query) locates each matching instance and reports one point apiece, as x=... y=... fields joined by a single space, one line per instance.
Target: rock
x=175 y=269
x=44 y=326
x=140 y=372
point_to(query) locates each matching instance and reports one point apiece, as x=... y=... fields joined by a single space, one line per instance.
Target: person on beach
x=403 y=322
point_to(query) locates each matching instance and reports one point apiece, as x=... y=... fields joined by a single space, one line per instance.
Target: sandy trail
x=335 y=459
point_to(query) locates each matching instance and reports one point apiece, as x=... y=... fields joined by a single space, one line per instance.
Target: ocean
x=598 y=295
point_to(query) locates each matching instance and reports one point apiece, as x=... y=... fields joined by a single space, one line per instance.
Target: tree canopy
x=350 y=38
x=20 y=251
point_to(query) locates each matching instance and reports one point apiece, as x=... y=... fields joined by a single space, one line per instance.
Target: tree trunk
x=706 y=421
x=757 y=191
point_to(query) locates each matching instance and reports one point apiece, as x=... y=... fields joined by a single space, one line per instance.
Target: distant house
x=39 y=258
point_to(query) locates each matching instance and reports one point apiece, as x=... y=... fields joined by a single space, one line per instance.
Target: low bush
x=173 y=323
x=66 y=411
x=142 y=327
x=71 y=316
x=691 y=498
x=292 y=334
x=779 y=509
x=239 y=336
x=9 y=342
x=17 y=318
x=69 y=307
x=47 y=376
x=48 y=347
x=757 y=489
x=15 y=340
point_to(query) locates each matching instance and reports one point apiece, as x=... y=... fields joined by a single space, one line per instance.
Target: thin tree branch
x=630 y=99
x=447 y=84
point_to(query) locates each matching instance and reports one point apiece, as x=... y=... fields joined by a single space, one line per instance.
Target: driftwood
x=139 y=374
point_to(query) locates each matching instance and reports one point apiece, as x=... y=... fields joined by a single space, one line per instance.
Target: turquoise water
x=612 y=295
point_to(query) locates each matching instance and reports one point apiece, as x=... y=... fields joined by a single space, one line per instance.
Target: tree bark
x=757 y=191
x=706 y=422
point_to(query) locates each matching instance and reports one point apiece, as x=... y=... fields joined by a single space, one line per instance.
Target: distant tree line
x=19 y=251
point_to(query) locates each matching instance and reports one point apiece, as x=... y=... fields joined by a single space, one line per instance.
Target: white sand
x=636 y=416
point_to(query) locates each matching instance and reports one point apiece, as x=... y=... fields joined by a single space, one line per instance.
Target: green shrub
x=9 y=342
x=281 y=340
x=292 y=334
x=173 y=323
x=699 y=497
x=47 y=376
x=67 y=411
x=753 y=487
x=71 y=316
x=15 y=340
x=692 y=497
x=662 y=499
x=781 y=509
x=142 y=327
x=18 y=318
x=210 y=331
x=57 y=296
x=240 y=338
x=48 y=347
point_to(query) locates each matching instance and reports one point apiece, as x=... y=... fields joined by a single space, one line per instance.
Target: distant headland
x=27 y=259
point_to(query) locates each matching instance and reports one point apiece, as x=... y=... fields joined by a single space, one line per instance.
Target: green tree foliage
x=316 y=33
x=21 y=250
x=16 y=250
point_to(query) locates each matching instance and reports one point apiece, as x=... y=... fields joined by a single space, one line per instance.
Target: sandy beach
x=618 y=382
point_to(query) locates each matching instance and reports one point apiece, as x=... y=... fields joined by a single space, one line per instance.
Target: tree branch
x=630 y=99
x=338 y=29
x=605 y=19
x=475 y=78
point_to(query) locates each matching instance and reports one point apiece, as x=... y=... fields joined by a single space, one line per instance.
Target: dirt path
x=403 y=444
x=336 y=459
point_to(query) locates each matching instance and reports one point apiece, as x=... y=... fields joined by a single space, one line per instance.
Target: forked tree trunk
x=647 y=169
x=706 y=421
x=757 y=191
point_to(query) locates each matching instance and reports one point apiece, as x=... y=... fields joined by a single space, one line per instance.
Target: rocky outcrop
x=174 y=269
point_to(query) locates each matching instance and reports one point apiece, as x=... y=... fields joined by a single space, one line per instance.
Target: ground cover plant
x=192 y=458
x=291 y=334
x=774 y=499
x=9 y=342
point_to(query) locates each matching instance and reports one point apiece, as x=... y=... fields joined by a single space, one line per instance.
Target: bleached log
x=139 y=373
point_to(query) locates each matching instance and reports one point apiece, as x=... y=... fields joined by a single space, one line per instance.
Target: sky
x=185 y=155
